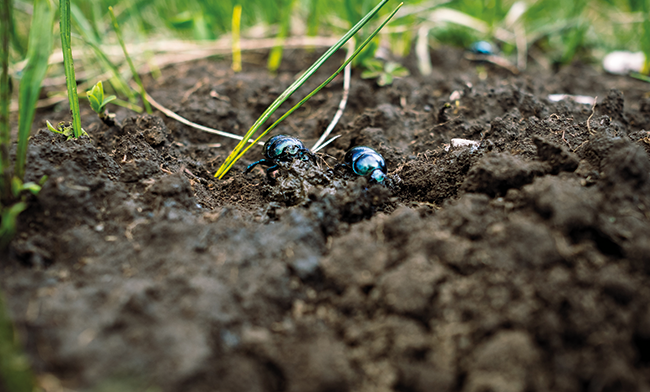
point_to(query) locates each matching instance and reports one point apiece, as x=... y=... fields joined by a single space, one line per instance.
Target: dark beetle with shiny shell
x=281 y=148
x=365 y=161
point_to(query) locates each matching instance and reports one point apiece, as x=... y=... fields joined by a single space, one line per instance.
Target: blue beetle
x=365 y=161
x=281 y=148
x=482 y=47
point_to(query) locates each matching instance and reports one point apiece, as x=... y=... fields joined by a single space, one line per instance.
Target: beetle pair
x=363 y=161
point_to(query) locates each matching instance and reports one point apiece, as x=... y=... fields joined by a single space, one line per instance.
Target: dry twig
x=593 y=110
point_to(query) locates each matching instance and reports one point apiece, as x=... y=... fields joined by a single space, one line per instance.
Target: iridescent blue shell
x=482 y=47
x=365 y=161
x=282 y=147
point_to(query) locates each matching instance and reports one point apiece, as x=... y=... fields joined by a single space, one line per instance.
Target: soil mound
x=519 y=262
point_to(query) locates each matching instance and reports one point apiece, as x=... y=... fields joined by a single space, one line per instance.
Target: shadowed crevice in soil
x=519 y=264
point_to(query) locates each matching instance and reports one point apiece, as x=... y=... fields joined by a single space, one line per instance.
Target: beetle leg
x=271 y=170
x=264 y=162
x=309 y=154
x=339 y=166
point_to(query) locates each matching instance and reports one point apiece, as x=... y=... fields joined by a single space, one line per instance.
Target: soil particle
x=627 y=166
x=570 y=207
x=517 y=264
x=557 y=156
x=408 y=288
x=506 y=362
x=612 y=106
x=170 y=191
x=497 y=173
x=307 y=359
x=435 y=179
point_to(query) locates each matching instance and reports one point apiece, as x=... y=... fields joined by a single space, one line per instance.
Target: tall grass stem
x=645 y=37
x=118 y=82
x=68 y=64
x=5 y=33
x=236 y=41
x=275 y=56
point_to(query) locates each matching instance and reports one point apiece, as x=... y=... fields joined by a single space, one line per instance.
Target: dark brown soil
x=521 y=265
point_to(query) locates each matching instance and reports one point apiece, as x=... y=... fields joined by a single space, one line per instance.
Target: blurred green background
x=558 y=30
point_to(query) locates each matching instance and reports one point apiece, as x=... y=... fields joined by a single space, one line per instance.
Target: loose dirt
x=520 y=264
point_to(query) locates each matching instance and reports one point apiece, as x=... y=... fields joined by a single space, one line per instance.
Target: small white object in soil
x=455 y=96
x=585 y=99
x=460 y=143
x=623 y=62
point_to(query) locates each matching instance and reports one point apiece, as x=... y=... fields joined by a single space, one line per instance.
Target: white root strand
x=344 y=101
x=189 y=123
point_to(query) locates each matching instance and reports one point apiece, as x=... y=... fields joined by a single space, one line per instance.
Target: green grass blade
x=313 y=18
x=96 y=17
x=15 y=38
x=350 y=11
x=236 y=39
x=14 y=365
x=645 y=37
x=640 y=76
x=38 y=53
x=317 y=89
x=143 y=93
x=5 y=34
x=232 y=158
x=127 y=105
x=275 y=57
x=120 y=85
x=83 y=26
x=68 y=64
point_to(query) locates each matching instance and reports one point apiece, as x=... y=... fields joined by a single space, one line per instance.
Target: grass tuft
x=15 y=371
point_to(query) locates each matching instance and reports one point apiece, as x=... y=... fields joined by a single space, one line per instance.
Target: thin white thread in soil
x=342 y=104
x=189 y=123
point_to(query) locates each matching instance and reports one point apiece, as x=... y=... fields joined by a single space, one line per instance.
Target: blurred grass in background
x=558 y=30
x=550 y=33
